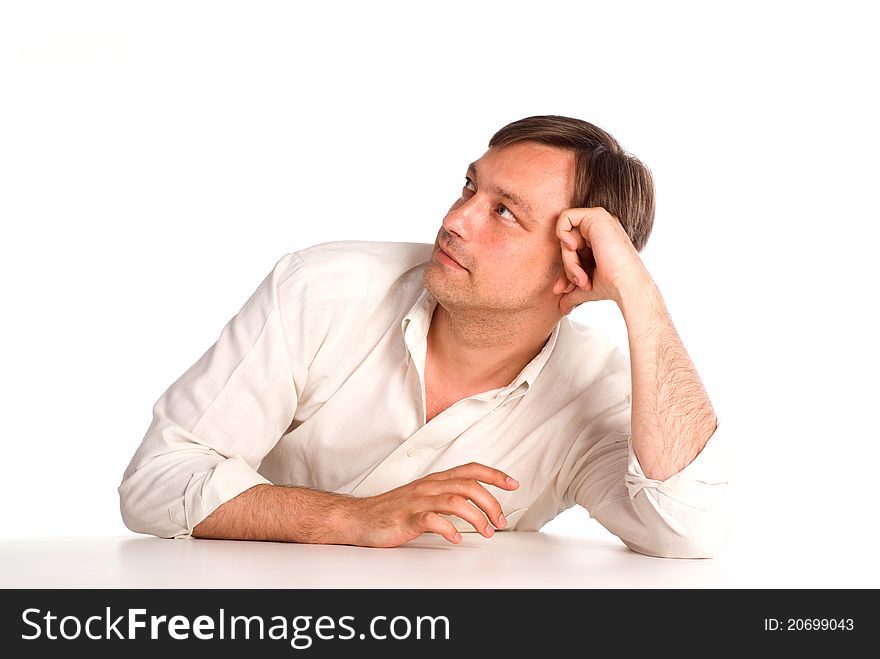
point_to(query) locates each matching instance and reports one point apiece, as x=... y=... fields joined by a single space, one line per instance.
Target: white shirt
x=318 y=381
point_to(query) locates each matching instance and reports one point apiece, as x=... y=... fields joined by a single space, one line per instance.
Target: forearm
x=672 y=417
x=280 y=514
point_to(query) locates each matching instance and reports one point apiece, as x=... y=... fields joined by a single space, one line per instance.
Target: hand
x=598 y=257
x=403 y=514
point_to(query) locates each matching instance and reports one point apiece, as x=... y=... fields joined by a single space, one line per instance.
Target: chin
x=447 y=293
x=433 y=281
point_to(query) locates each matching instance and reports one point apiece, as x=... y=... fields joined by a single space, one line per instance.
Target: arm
x=278 y=514
x=294 y=514
x=672 y=417
x=648 y=471
x=213 y=426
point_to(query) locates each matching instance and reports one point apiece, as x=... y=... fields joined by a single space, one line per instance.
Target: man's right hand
x=404 y=513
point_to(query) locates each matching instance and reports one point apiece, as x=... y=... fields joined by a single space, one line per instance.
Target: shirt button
x=411 y=453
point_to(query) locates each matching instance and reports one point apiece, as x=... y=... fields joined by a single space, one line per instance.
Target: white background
x=156 y=159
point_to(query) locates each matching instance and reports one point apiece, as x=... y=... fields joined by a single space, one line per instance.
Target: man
x=371 y=392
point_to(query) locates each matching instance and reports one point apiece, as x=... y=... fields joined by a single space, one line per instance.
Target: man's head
x=501 y=231
x=605 y=174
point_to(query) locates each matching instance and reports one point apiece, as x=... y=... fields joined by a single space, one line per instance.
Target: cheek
x=537 y=260
x=542 y=262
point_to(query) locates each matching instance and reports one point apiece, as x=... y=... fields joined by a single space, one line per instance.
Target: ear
x=561 y=282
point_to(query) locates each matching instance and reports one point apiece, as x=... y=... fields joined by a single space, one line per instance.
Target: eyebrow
x=514 y=198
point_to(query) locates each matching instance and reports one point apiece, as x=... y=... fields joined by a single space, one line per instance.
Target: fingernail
x=489 y=529
x=457 y=537
x=512 y=482
x=502 y=521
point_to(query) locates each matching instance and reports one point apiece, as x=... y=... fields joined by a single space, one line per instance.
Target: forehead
x=543 y=175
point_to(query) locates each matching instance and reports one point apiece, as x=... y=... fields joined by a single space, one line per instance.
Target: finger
x=471 y=489
x=431 y=522
x=570 y=239
x=480 y=472
x=579 y=220
x=563 y=286
x=455 y=504
x=566 y=225
x=568 y=302
x=573 y=269
x=571 y=242
x=587 y=283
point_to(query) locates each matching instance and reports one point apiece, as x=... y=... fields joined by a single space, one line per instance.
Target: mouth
x=444 y=257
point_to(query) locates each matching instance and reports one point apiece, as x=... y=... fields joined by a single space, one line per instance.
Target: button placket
x=405 y=463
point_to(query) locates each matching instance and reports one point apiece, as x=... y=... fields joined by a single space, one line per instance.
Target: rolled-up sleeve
x=684 y=516
x=212 y=427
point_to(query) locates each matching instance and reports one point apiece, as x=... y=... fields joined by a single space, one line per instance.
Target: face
x=497 y=249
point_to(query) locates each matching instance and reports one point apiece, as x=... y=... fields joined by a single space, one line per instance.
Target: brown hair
x=605 y=174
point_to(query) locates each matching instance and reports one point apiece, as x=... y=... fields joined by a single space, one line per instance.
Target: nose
x=461 y=217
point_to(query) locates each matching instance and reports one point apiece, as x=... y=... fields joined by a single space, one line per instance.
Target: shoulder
x=354 y=256
x=585 y=361
x=353 y=268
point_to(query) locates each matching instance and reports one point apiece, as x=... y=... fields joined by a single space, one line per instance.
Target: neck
x=483 y=352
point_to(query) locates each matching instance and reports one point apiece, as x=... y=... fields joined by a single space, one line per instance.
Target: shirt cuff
x=208 y=490
x=695 y=484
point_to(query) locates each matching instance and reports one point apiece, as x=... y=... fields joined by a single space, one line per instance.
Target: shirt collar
x=417 y=322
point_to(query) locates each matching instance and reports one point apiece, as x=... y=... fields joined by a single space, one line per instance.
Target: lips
x=447 y=253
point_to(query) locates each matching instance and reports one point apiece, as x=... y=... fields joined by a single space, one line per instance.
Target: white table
x=507 y=560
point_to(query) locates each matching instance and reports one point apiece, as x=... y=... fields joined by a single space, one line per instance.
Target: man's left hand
x=595 y=239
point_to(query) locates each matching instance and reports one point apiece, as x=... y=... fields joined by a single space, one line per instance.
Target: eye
x=502 y=209
x=469 y=184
